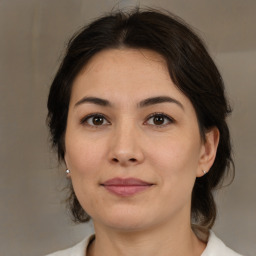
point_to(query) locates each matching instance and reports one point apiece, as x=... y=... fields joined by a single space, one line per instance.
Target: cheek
x=83 y=156
x=176 y=153
x=84 y=162
x=176 y=161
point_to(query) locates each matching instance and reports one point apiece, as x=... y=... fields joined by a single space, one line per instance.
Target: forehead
x=122 y=74
x=117 y=63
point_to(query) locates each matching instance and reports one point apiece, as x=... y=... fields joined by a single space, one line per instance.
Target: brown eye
x=95 y=120
x=159 y=120
x=98 y=120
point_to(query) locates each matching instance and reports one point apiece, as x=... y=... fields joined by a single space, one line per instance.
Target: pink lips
x=126 y=187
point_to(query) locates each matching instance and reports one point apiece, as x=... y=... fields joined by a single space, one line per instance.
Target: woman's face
x=132 y=142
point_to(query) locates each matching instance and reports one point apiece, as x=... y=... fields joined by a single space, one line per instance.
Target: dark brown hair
x=191 y=69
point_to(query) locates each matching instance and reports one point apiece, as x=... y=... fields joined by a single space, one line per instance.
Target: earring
x=67 y=171
x=204 y=172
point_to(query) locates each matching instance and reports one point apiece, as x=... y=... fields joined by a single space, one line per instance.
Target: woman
x=137 y=113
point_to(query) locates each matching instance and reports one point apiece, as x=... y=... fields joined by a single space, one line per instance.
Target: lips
x=126 y=187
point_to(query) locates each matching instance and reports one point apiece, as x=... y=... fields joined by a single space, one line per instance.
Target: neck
x=164 y=240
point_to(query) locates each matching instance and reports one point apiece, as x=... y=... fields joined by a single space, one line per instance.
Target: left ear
x=208 y=151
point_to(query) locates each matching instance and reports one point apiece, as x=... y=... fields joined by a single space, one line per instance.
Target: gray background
x=33 y=221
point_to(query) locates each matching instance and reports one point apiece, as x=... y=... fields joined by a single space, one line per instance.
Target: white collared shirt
x=215 y=247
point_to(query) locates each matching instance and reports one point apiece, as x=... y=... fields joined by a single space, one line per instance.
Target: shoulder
x=216 y=247
x=77 y=250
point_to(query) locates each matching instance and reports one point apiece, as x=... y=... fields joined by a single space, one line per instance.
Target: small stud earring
x=204 y=172
x=67 y=171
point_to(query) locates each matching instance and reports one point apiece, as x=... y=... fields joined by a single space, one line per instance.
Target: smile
x=126 y=187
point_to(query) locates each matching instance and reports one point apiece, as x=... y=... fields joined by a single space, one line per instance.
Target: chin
x=124 y=220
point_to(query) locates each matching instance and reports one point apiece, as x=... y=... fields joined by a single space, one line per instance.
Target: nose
x=126 y=148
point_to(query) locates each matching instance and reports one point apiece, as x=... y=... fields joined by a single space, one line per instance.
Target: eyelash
x=169 y=119
x=84 y=120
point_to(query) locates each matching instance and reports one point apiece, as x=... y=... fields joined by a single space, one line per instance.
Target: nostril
x=115 y=160
x=133 y=160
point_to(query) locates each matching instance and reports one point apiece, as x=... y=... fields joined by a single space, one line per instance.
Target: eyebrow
x=94 y=100
x=160 y=99
x=144 y=103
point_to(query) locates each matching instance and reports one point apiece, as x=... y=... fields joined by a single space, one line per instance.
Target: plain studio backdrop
x=33 y=35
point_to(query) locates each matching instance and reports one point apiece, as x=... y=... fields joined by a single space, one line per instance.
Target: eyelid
x=83 y=120
x=170 y=119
